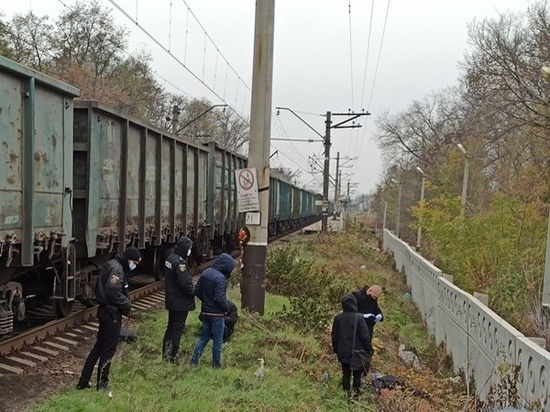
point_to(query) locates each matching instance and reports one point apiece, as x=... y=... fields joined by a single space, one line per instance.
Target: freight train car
x=291 y=207
x=79 y=181
x=36 y=125
x=135 y=185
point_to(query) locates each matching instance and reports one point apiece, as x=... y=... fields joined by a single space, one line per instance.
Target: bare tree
x=233 y=131
x=425 y=131
x=87 y=34
x=29 y=38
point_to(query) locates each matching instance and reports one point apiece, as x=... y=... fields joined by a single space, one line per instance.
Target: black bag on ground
x=127 y=335
x=360 y=361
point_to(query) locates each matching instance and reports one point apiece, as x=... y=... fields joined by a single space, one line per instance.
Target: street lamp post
x=398 y=223
x=464 y=180
x=545 y=72
x=385 y=214
x=419 y=232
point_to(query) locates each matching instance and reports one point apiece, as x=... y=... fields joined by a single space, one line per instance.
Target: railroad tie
x=67 y=341
x=56 y=346
x=34 y=356
x=47 y=351
x=11 y=369
x=140 y=306
x=22 y=361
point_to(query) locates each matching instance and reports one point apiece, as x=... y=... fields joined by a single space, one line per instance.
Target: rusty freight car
x=36 y=135
x=79 y=181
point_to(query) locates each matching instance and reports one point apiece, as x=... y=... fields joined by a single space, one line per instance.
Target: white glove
x=368 y=315
x=378 y=317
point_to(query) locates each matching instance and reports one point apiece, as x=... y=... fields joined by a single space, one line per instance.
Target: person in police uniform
x=179 y=297
x=112 y=296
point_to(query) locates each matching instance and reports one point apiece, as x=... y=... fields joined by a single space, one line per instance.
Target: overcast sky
x=328 y=57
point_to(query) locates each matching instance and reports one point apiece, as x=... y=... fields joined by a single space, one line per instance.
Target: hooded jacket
x=343 y=329
x=112 y=288
x=211 y=287
x=179 y=295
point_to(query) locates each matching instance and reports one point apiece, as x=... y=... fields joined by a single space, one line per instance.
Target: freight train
x=79 y=181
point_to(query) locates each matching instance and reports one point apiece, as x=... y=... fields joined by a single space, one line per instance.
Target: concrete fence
x=478 y=339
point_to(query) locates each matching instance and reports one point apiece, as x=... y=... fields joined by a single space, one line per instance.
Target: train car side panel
x=180 y=184
x=192 y=191
x=34 y=205
x=11 y=141
x=133 y=182
x=166 y=184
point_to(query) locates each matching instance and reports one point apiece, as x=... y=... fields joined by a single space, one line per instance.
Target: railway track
x=26 y=349
x=37 y=345
x=53 y=337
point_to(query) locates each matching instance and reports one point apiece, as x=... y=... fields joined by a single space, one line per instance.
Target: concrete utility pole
x=326 y=172
x=326 y=167
x=255 y=251
x=175 y=118
x=347 y=198
x=336 y=183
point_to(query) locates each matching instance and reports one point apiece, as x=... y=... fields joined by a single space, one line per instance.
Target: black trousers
x=172 y=336
x=346 y=377
x=104 y=349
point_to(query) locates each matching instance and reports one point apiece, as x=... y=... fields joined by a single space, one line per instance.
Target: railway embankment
x=292 y=337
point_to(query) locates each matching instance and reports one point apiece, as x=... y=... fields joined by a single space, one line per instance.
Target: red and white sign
x=247 y=190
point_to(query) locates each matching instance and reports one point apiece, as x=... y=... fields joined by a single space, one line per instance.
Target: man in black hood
x=112 y=296
x=179 y=297
x=349 y=334
x=211 y=289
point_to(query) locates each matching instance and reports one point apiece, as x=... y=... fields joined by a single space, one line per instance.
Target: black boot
x=83 y=385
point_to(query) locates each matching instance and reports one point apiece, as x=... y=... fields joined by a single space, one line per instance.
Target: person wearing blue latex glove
x=367 y=304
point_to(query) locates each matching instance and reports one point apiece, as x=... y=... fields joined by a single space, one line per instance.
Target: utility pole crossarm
x=200 y=115
x=302 y=120
x=353 y=117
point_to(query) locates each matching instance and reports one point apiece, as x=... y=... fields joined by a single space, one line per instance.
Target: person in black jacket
x=179 y=297
x=231 y=319
x=211 y=289
x=112 y=296
x=346 y=325
x=367 y=304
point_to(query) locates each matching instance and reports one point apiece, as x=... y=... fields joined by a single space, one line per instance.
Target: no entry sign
x=247 y=190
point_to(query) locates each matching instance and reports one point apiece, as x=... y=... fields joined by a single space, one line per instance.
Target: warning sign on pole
x=247 y=190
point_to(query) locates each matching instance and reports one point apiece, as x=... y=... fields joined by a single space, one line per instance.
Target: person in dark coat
x=211 y=289
x=367 y=304
x=112 y=296
x=179 y=297
x=345 y=326
x=230 y=320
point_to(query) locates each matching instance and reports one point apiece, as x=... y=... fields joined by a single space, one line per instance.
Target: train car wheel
x=62 y=307
x=161 y=254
